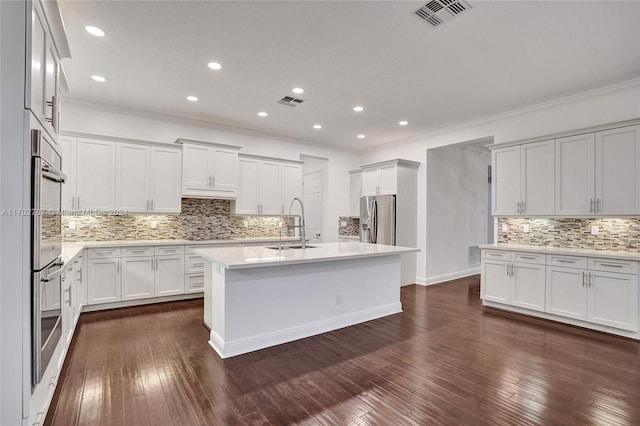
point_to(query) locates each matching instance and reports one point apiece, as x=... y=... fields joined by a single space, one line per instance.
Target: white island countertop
x=259 y=257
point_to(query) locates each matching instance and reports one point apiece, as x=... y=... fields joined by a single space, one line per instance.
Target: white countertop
x=562 y=250
x=257 y=257
x=71 y=249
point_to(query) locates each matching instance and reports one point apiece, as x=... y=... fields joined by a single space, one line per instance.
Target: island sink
x=289 y=247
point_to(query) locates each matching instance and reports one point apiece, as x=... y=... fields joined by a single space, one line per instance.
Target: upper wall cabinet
x=148 y=178
x=266 y=185
x=524 y=178
x=382 y=178
x=599 y=173
x=44 y=73
x=95 y=174
x=209 y=170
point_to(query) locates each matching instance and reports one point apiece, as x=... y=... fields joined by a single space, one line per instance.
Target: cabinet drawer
x=496 y=254
x=137 y=251
x=169 y=250
x=194 y=264
x=194 y=283
x=613 y=265
x=101 y=253
x=567 y=261
x=538 y=258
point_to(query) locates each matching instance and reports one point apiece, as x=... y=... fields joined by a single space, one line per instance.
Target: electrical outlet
x=245 y=223
x=505 y=227
x=72 y=224
x=280 y=224
x=154 y=224
x=343 y=223
x=525 y=228
x=595 y=230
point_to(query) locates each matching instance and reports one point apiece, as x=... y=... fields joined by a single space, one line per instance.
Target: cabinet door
x=224 y=168
x=613 y=300
x=527 y=286
x=137 y=278
x=537 y=178
x=495 y=282
x=269 y=188
x=50 y=87
x=388 y=180
x=370 y=181
x=196 y=167
x=291 y=187
x=96 y=173
x=618 y=171
x=132 y=177
x=194 y=284
x=103 y=281
x=566 y=292
x=69 y=168
x=506 y=187
x=67 y=306
x=574 y=177
x=38 y=47
x=247 y=201
x=165 y=180
x=169 y=275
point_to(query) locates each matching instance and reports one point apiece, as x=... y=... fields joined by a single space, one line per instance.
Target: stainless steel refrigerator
x=378 y=219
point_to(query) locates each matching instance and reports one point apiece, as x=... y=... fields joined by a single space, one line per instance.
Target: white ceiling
x=494 y=58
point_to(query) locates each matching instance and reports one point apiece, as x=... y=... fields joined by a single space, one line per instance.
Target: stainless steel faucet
x=303 y=243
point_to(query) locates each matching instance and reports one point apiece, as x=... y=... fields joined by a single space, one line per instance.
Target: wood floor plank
x=444 y=360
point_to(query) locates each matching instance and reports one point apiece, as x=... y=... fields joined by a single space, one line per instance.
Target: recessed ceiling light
x=192 y=98
x=403 y=122
x=94 y=31
x=358 y=108
x=360 y=136
x=262 y=114
x=317 y=126
x=215 y=65
x=298 y=90
x=98 y=78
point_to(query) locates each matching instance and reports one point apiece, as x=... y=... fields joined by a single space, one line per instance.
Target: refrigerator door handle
x=374 y=222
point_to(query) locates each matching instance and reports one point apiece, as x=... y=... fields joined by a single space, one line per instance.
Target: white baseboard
x=243 y=346
x=447 y=277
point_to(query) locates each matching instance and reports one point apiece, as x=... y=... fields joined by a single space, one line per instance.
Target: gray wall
x=457 y=210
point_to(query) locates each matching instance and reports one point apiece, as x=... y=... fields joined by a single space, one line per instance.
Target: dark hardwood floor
x=444 y=360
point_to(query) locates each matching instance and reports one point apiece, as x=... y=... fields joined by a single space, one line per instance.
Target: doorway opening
x=314 y=184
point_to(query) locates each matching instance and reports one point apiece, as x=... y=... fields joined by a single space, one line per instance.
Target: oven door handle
x=52 y=173
x=54 y=274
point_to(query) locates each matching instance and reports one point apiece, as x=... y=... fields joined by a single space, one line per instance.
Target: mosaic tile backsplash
x=352 y=228
x=199 y=220
x=613 y=234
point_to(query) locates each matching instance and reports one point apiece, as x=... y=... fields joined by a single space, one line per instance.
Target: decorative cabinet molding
x=583 y=290
x=209 y=170
x=267 y=185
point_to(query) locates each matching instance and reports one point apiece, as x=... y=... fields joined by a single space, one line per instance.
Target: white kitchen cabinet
x=266 y=186
x=148 y=179
x=524 y=179
x=617 y=171
x=96 y=174
x=103 y=280
x=612 y=300
x=599 y=173
x=137 y=277
x=566 y=292
x=355 y=192
x=495 y=281
x=209 y=170
x=67 y=304
x=380 y=180
x=169 y=275
x=528 y=286
x=69 y=190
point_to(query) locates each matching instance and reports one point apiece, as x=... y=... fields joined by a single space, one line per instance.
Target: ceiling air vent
x=437 y=12
x=290 y=101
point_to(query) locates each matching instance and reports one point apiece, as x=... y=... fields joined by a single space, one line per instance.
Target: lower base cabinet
x=594 y=294
x=169 y=275
x=103 y=281
x=137 y=278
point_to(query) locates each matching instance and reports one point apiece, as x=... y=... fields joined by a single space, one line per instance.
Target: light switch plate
x=505 y=227
x=245 y=223
x=72 y=224
x=343 y=223
x=595 y=230
x=154 y=224
x=525 y=228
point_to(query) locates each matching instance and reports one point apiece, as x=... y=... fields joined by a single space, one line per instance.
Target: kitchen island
x=256 y=297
